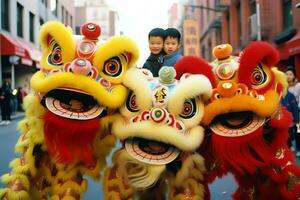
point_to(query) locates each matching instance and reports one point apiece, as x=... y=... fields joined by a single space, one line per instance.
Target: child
x=155 y=60
x=171 y=46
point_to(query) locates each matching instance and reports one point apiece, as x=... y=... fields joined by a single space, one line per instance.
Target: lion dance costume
x=160 y=132
x=247 y=128
x=65 y=132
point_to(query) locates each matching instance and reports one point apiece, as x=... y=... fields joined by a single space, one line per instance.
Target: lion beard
x=70 y=140
x=139 y=175
x=243 y=154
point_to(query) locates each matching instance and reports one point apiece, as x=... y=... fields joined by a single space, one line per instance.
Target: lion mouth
x=236 y=124
x=72 y=104
x=150 y=151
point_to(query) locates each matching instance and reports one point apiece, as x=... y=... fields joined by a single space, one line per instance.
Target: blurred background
x=203 y=24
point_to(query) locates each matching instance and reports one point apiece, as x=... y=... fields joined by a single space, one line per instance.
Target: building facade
x=239 y=22
x=98 y=12
x=20 y=24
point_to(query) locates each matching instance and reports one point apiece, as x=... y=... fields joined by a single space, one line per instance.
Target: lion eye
x=131 y=104
x=55 y=56
x=258 y=77
x=112 y=67
x=188 y=109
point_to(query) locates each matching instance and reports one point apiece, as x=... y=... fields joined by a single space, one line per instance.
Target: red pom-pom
x=91 y=30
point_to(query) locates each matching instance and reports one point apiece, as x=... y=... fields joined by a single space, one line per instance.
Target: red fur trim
x=292 y=194
x=253 y=54
x=243 y=154
x=212 y=164
x=195 y=65
x=281 y=127
x=70 y=140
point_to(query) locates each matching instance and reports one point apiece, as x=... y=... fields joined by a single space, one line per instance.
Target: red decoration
x=91 y=31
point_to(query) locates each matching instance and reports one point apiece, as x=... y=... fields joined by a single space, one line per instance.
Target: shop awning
x=290 y=47
x=11 y=46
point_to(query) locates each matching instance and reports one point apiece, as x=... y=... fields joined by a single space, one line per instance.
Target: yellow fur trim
x=111 y=99
x=62 y=35
x=192 y=167
x=61 y=188
x=191 y=185
x=33 y=107
x=69 y=198
x=191 y=87
x=21 y=195
x=238 y=103
x=3 y=192
x=32 y=126
x=66 y=174
x=8 y=178
x=113 y=47
x=281 y=78
x=107 y=121
x=55 y=197
x=92 y=172
x=18 y=168
x=29 y=166
x=117 y=184
x=103 y=146
x=162 y=133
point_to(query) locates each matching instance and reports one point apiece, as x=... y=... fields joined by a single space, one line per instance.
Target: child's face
x=171 y=45
x=156 y=44
x=290 y=76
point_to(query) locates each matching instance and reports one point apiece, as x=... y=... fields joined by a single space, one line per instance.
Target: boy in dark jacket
x=171 y=46
x=156 y=41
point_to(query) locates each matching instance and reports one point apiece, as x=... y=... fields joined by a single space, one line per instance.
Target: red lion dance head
x=246 y=125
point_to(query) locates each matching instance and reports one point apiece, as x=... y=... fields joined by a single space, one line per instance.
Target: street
x=220 y=189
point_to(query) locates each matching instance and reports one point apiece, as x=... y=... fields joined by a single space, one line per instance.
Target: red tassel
x=70 y=140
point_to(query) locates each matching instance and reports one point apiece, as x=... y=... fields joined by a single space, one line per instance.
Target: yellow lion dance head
x=65 y=131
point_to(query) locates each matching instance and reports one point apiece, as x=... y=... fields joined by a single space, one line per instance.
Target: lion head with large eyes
x=65 y=133
x=159 y=125
x=80 y=82
x=247 y=128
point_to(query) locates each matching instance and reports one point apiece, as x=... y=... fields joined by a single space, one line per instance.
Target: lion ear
x=116 y=46
x=55 y=36
x=195 y=65
x=252 y=55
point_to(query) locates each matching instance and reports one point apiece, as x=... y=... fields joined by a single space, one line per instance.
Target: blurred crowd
x=11 y=101
x=292 y=104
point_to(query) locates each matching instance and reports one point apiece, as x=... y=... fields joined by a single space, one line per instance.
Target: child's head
x=156 y=40
x=290 y=74
x=171 y=40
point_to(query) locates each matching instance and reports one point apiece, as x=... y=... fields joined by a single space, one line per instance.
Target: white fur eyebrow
x=192 y=86
x=139 y=85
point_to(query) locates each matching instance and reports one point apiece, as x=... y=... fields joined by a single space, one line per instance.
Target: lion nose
x=227 y=88
x=81 y=66
x=158 y=115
